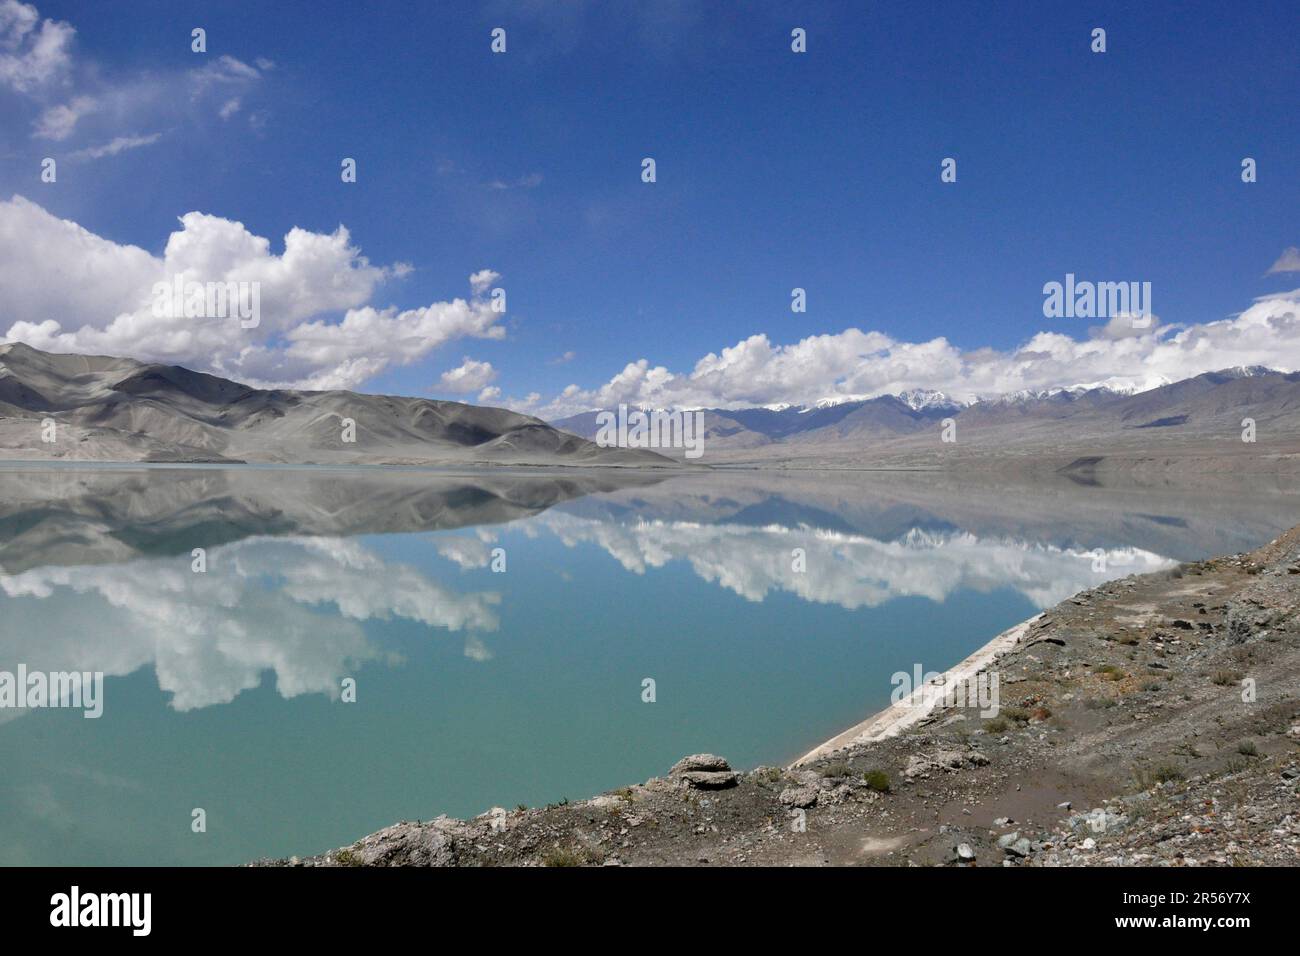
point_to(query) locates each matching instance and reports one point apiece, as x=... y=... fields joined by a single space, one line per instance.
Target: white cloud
x=531 y=181
x=858 y=364
x=36 y=62
x=222 y=73
x=68 y=290
x=482 y=280
x=54 y=269
x=33 y=52
x=57 y=122
x=119 y=144
x=1288 y=261
x=469 y=376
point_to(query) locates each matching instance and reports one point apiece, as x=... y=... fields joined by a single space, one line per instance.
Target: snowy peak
x=1066 y=393
x=1244 y=371
x=926 y=399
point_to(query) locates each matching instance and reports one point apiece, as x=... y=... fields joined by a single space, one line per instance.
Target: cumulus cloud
x=482 y=280
x=69 y=290
x=855 y=364
x=469 y=376
x=1288 y=261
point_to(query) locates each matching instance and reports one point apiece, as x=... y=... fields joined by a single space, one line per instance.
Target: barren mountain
x=117 y=409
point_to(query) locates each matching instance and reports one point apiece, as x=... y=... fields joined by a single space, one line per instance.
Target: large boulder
x=704 y=772
x=404 y=844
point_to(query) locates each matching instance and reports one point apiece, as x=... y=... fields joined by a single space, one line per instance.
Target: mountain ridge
x=106 y=408
x=1210 y=406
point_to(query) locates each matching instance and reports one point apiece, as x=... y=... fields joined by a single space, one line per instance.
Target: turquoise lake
x=477 y=687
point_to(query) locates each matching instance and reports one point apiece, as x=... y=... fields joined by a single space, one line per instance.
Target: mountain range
x=1184 y=415
x=97 y=408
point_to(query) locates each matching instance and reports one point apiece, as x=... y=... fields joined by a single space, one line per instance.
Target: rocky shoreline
x=1153 y=720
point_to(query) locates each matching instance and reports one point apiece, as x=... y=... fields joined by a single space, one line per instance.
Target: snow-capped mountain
x=1212 y=404
x=1068 y=392
x=918 y=399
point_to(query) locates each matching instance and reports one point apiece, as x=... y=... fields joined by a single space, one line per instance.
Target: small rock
x=1098 y=820
x=805 y=796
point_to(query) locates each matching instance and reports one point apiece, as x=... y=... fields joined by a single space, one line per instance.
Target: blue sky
x=775 y=170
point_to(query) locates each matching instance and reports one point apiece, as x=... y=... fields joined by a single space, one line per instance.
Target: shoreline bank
x=923 y=701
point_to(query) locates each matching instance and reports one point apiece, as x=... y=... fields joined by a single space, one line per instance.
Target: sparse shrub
x=877 y=780
x=1247 y=748
x=1018 y=714
x=1225 y=678
x=837 y=770
x=997 y=725
x=1149 y=776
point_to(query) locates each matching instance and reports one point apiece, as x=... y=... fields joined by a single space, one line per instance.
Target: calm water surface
x=475 y=687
